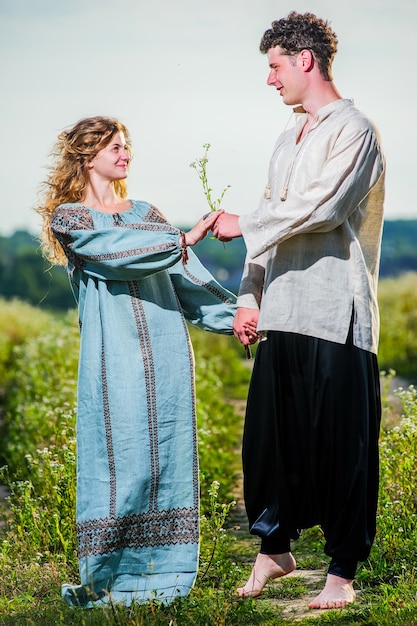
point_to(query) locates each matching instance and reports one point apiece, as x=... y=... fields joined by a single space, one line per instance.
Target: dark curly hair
x=300 y=31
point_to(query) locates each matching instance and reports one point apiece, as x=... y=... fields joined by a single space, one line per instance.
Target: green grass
x=38 y=360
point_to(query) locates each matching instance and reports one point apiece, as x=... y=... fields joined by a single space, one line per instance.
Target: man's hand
x=227 y=227
x=244 y=325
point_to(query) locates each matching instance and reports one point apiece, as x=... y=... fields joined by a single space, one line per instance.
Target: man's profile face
x=285 y=75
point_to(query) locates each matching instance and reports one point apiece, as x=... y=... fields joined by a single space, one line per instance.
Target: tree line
x=24 y=274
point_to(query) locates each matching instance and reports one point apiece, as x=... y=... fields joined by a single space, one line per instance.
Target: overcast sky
x=182 y=73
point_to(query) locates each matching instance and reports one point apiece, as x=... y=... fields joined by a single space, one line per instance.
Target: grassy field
x=38 y=362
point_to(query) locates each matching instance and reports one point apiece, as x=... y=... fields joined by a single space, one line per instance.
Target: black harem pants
x=310 y=443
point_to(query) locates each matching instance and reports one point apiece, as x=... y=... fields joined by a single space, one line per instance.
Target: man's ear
x=306 y=59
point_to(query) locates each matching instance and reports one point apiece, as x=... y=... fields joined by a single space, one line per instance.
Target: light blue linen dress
x=137 y=465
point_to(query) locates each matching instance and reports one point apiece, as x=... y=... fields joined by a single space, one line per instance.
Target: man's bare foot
x=337 y=592
x=267 y=567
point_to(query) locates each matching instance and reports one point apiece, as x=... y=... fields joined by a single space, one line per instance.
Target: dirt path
x=311 y=580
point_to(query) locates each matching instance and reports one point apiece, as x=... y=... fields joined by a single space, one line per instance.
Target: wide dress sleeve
x=141 y=250
x=205 y=303
x=126 y=252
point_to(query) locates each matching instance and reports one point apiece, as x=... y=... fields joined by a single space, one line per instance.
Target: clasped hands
x=245 y=324
x=225 y=227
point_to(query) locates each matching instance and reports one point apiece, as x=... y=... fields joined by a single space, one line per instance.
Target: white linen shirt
x=313 y=244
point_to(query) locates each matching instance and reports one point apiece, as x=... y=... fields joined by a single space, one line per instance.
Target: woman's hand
x=203 y=226
x=244 y=325
x=251 y=333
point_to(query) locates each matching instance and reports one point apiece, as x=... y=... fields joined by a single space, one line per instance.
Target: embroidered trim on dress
x=196 y=478
x=64 y=220
x=109 y=436
x=133 y=252
x=72 y=217
x=149 y=371
x=156 y=528
x=214 y=290
x=153 y=227
x=154 y=215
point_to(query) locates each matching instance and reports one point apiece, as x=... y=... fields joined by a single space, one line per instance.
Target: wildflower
x=200 y=166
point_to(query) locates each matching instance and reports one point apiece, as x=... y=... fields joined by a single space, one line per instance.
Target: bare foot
x=267 y=567
x=337 y=592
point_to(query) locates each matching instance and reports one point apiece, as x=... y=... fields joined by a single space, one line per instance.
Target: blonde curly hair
x=68 y=175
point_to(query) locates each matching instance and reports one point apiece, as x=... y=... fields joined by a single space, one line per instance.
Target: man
x=310 y=448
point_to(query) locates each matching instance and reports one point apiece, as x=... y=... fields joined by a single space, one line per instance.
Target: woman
x=136 y=284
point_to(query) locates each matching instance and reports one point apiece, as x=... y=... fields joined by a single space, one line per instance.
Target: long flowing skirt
x=137 y=464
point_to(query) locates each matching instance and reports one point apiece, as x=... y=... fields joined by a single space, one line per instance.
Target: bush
x=396 y=538
x=398 y=308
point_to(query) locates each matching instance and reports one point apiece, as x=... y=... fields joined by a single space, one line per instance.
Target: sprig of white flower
x=200 y=166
